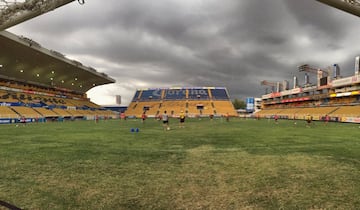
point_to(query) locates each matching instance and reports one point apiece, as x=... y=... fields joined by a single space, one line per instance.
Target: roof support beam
x=19 y=12
x=350 y=6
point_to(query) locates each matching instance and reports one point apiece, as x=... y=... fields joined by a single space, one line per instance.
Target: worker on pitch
x=182 y=119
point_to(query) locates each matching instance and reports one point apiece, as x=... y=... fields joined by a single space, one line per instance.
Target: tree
x=239 y=104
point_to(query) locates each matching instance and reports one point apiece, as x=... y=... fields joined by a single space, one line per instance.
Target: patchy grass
x=241 y=164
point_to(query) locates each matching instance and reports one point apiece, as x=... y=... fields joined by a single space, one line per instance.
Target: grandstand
x=333 y=95
x=194 y=101
x=37 y=83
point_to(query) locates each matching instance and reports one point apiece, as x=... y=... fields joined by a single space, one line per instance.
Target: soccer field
x=241 y=164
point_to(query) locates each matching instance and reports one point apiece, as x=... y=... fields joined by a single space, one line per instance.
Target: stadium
x=55 y=153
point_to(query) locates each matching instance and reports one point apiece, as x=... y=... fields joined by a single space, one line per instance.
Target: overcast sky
x=166 y=43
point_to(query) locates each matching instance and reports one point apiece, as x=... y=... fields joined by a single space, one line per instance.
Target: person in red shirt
x=143 y=117
x=327 y=119
x=122 y=116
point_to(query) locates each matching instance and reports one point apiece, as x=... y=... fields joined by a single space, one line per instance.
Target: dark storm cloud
x=317 y=18
x=230 y=43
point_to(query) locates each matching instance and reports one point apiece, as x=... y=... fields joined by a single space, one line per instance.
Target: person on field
x=165 y=119
x=308 y=119
x=143 y=117
x=276 y=117
x=122 y=116
x=227 y=117
x=23 y=120
x=182 y=119
x=327 y=119
x=211 y=117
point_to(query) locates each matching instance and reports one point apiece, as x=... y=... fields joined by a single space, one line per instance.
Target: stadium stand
x=151 y=94
x=137 y=108
x=333 y=95
x=173 y=107
x=198 y=94
x=8 y=113
x=346 y=111
x=175 y=94
x=194 y=101
x=26 y=112
x=35 y=83
x=224 y=107
x=219 y=94
x=62 y=112
x=47 y=113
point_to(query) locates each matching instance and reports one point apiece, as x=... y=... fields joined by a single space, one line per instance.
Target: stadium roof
x=350 y=6
x=22 y=59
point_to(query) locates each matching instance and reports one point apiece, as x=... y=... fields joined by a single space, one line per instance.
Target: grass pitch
x=241 y=164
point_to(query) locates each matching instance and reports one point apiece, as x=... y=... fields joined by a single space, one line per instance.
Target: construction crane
x=13 y=12
x=350 y=6
x=311 y=69
x=320 y=73
x=278 y=85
